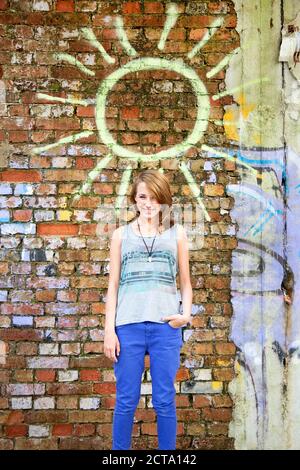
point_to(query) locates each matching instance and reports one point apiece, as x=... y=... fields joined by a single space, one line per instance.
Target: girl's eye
x=152 y=198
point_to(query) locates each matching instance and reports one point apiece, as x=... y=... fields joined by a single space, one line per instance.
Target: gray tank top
x=147 y=290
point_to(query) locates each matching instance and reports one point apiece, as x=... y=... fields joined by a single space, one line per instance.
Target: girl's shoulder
x=118 y=233
x=180 y=232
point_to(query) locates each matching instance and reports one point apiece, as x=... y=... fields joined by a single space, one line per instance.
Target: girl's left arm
x=184 y=274
x=186 y=291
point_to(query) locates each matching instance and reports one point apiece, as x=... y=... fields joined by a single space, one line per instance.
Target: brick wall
x=57 y=385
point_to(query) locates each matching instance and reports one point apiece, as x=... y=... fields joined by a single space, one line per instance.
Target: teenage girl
x=142 y=308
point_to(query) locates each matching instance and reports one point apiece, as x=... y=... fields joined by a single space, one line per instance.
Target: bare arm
x=113 y=282
x=184 y=274
x=185 y=282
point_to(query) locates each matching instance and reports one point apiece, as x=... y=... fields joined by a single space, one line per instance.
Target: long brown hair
x=159 y=187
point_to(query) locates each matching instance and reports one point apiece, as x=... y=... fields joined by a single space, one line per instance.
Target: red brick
x=152 y=113
x=230 y=21
x=18 y=110
x=213 y=189
x=225 y=348
x=4 y=376
x=6 y=44
x=105 y=429
x=154 y=7
x=88 y=229
x=22 y=309
x=27 y=71
x=57 y=229
x=151 y=139
x=17 y=430
x=3 y=4
x=59 y=124
x=105 y=388
x=108 y=403
x=217 y=7
x=88 y=202
x=220 y=401
x=131 y=7
x=130 y=113
x=188 y=415
x=69 y=403
x=203 y=348
x=109 y=34
x=149 y=428
x=226 y=100
x=17 y=176
x=41 y=136
x=220 y=296
x=90 y=375
x=30 y=444
x=15 y=417
x=69 y=389
x=182 y=375
x=3 y=268
x=46 y=416
x=45 y=375
x=85 y=111
x=219 y=414
x=217 y=282
x=18 y=136
x=195 y=21
x=19 y=335
x=102 y=188
x=224 y=35
x=227 y=309
x=226 y=243
x=201 y=401
x=84 y=429
x=197 y=34
x=223 y=374
x=217 y=429
x=182 y=401
x=129 y=138
x=93 y=348
x=62 y=430
x=4 y=405
x=84 y=162
x=65 y=5
x=145 y=415
x=26 y=349
x=150 y=21
x=10 y=18
x=22 y=215
x=45 y=296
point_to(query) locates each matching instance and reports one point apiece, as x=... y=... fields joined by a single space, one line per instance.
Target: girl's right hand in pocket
x=111 y=346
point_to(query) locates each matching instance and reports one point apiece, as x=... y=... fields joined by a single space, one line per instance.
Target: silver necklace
x=149 y=252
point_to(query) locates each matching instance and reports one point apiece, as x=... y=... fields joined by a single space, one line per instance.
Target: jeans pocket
x=174 y=327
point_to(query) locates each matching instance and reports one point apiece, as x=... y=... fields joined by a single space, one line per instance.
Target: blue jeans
x=163 y=343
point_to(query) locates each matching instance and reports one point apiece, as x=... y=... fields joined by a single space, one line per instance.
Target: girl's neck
x=148 y=224
x=146 y=230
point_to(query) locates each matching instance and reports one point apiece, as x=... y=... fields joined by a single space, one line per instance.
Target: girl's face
x=146 y=203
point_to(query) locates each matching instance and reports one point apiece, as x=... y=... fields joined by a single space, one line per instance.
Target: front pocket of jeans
x=174 y=327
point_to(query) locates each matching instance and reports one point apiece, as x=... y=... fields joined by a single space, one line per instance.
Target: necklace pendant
x=149 y=259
